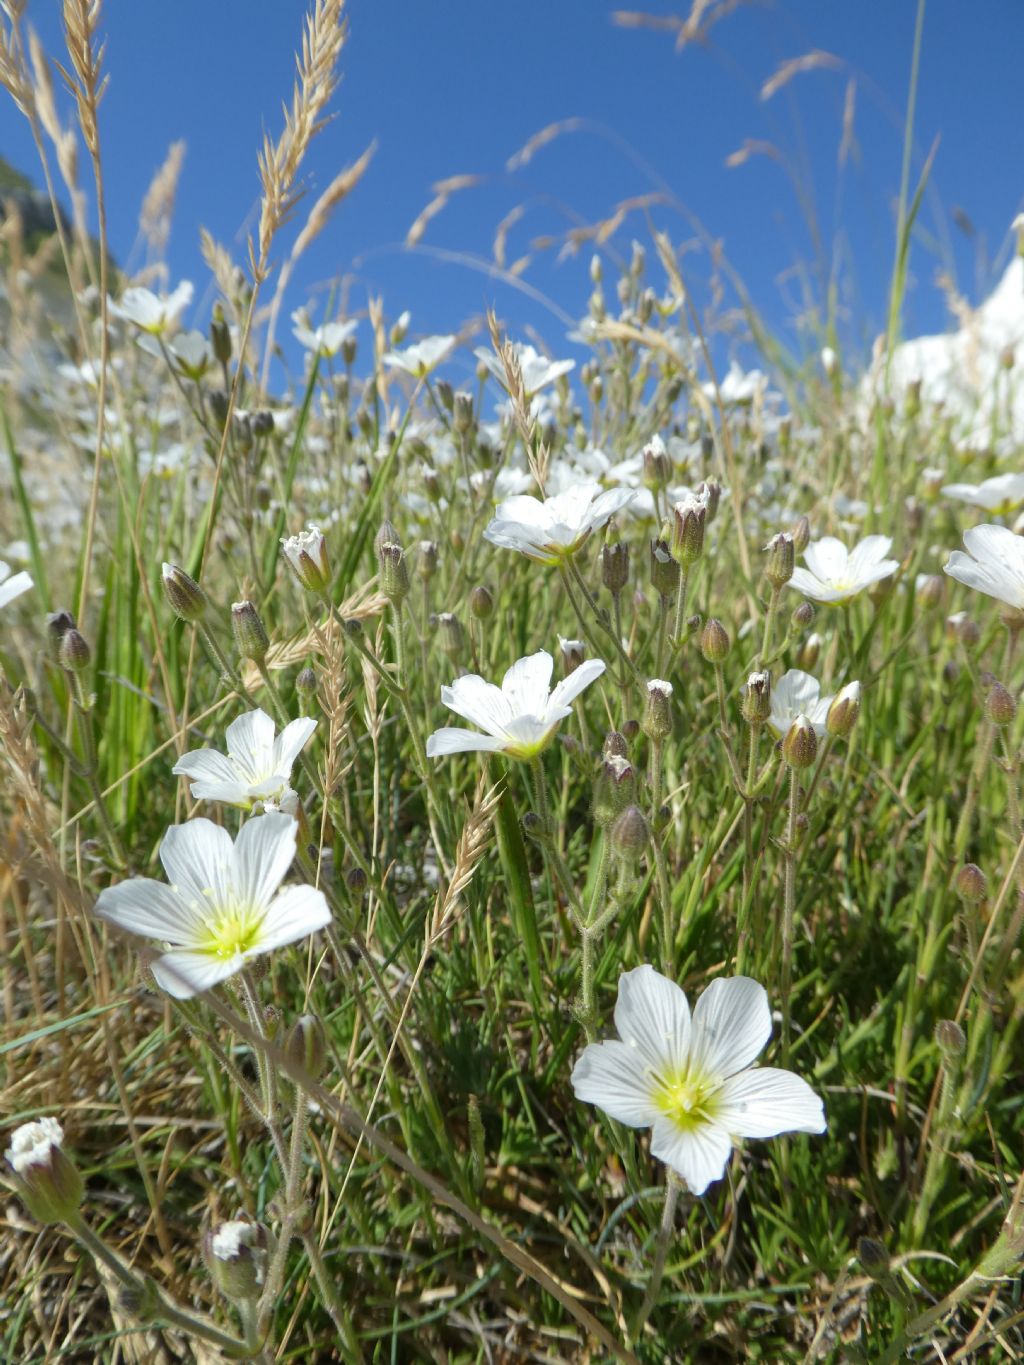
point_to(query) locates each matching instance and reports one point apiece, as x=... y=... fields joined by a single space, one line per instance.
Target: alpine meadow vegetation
x=669 y=1008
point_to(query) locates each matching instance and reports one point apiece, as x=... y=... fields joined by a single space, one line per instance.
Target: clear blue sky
x=452 y=86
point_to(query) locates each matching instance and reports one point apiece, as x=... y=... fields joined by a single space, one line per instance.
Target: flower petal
x=197 y=858
x=612 y=1076
x=527 y=683
x=291 y=742
x=765 y=1101
x=250 y=741
x=652 y=1015
x=151 y=908
x=184 y=974
x=479 y=701
x=453 y=739
x=699 y=1154
x=571 y=687
x=14 y=587
x=827 y=559
x=731 y=1025
x=297 y=912
x=206 y=765
x=264 y=851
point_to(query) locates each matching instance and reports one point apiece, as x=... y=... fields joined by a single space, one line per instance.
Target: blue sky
x=457 y=86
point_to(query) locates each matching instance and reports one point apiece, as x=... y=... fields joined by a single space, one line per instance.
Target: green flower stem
x=788 y=908
x=600 y=617
x=673 y=1188
x=165 y=1310
x=268 y=1083
x=769 y=626
x=659 y=652
x=681 y=596
x=90 y=769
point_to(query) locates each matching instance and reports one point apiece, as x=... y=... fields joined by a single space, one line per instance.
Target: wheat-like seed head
x=86 y=84
x=158 y=204
x=340 y=187
x=473 y=841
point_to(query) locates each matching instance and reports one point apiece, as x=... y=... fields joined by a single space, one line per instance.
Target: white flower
x=537 y=370
x=1000 y=495
x=691 y=1079
x=192 y=354
x=326 y=339
x=12 y=586
x=835 y=574
x=307 y=555
x=229 y=1239
x=519 y=717
x=33 y=1143
x=994 y=564
x=829 y=361
x=220 y=908
x=737 y=386
x=798 y=694
x=151 y=313
x=554 y=529
x=257 y=766
x=420 y=359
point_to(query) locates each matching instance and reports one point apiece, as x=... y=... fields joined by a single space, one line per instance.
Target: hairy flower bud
x=306 y=553
x=1000 y=705
x=186 y=598
x=657 y=465
x=843 y=713
x=665 y=570
x=452 y=637
x=220 y=338
x=481 y=602
x=951 y=1040
x=48 y=1181
x=426 y=560
x=250 y=633
x=236 y=1257
x=809 y=653
x=781 y=553
x=305 y=1045
x=971 y=884
x=756 y=701
x=58 y=623
x=657 y=723
x=630 y=834
x=615 y=566
x=801 y=534
x=74 y=653
x=800 y=747
x=615 y=745
x=394 y=572
x=614 y=789
x=573 y=653
x=714 y=642
x=690 y=516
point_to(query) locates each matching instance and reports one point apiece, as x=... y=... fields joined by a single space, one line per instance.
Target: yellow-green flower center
x=232 y=929
x=686 y=1097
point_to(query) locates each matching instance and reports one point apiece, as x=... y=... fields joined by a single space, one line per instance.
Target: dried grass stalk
x=796 y=66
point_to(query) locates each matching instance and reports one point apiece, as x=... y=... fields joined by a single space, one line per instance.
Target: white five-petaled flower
x=691 y=1079
x=222 y=906
x=257 y=766
x=420 y=359
x=536 y=369
x=835 y=574
x=994 y=564
x=999 y=495
x=150 y=312
x=520 y=717
x=12 y=585
x=192 y=354
x=798 y=694
x=327 y=339
x=555 y=528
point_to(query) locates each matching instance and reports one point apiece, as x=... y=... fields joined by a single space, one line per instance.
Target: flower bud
x=481 y=603
x=657 y=465
x=950 y=1040
x=356 y=880
x=305 y=685
x=596 y=271
x=307 y=555
x=394 y=572
x=756 y=702
x=843 y=713
x=801 y=534
x=690 y=516
x=657 y=722
x=781 y=553
x=615 y=566
x=74 y=653
x=349 y=350
x=664 y=569
x=1000 y=705
x=630 y=834
x=58 y=623
x=463 y=414
x=426 y=560
x=400 y=328
x=714 y=642
x=930 y=590
x=800 y=747
x=809 y=651
x=236 y=1257
x=250 y=634
x=573 y=652
x=452 y=637
x=220 y=339
x=711 y=492
x=186 y=598
x=874 y=1258
x=971 y=884
x=305 y=1045
x=614 y=789
x=446 y=394
x=615 y=745
x=48 y=1181
x=803 y=616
